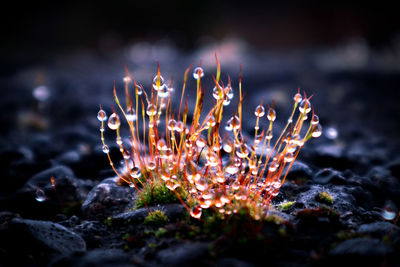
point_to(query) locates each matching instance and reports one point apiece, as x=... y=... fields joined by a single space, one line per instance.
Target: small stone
x=329 y=175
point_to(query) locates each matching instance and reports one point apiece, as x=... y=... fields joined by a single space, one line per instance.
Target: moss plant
x=157 y=193
x=284 y=206
x=324 y=198
x=185 y=154
x=157 y=217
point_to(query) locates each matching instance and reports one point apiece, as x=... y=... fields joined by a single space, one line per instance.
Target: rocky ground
x=338 y=205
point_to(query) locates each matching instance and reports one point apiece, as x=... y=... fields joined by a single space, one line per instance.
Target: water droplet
x=271 y=114
x=179 y=126
x=151 y=165
x=315 y=119
x=163 y=91
x=235 y=123
x=151 y=110
x=118 y=140
x=229 y=92
x=196 y=212
x=273 y=167
x=202 y=184
x=331 y=133
x=297 y=98
x=139 y=89
x=260 y=111
x=101 y=115
x=126 y=154
x=135 y=172
x=316 y=131
x=130 y=114
x=198 y=73
x=305 y=106
x=226 y=102
x=217 y=93
x=212 y=159
x=161 y=145
x=106 y=149
x=288 y=157
x=41 y=93
x=269 y=134
x=127 y=79
x=171 y=125
x=201 y=142
x=227 y=146
x=113 y=121
x=389 y=211
x=40 y=196
x=158 y=82
x=231 y=169
x=210 y=122
x=242 y=151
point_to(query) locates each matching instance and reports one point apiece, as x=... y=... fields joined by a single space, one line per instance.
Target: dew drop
x=305 y=106
x=158 y=82
x=231 y=169
x=316 y=131
x=229 y=92
x=41 y=93
x=130 y=114
x=314 y=120
x=389 y=211
x=101 y=115
x=151 y=165
x=297 y=98
x=151 y=110
x=235 y=123
x=139 y=89
x=210 y=122
x=113 y=121
x=118 y=140
x=40 y=196
x=201 y=142
x=106 y=149
x=198 y=73
x=331 y=133
x=163 y=91
x=271 y=114
x=135 y=172
x=217 y=93
x=260 y=111
x=196 y=212
x=171 y=125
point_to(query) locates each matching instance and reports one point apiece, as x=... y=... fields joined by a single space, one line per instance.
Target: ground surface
x=355 y=94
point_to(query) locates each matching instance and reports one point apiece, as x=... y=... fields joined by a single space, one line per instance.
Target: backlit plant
x=203 y=169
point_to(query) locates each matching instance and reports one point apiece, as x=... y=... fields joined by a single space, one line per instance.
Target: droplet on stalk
x=196 y=212
x=198 y=73
x=101 y=115
x=151 y=110
x=316 y=131
x=40 y=195
x=130 y=114
x=305 y=106
x=260 y=111
x=114 y=122
x=135 y=172
x=158 y=82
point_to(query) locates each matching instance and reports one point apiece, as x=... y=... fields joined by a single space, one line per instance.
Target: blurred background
x=345 y=53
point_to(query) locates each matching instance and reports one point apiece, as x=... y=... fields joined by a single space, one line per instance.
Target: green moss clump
x=161 y=232
x=156 y=194
x=325 y=198
x=157 y=217
x=286 y=205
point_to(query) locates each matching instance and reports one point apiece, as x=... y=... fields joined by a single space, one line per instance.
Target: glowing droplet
x=113 y=121
x=126 y=154
x=235 y=123
x=315 y=119
x=297 y=98
x=196 y=212
x=229 y=92
x=158 y=82
x=171 y=125
x=316 y=131
x=305 y=106
x=118 y=140
x=260 y=111
x=288 y=157
x=139 y=89
x=331 y=133
x=389 y=211
x=163 y=91
x=151 y=165
x=243 y=151
x=231 y=169
x=40 y=196
x=227 y=146
x=201 y=142
x=210 y=122
x=273 y=167
x=198 y=73
x=271 y=114
x=179 y=126
x=161 y=145
x=101 y=115
x=151 y=110
x=135 y=172
x=106 y=149
x=130 y=114
x=217 y=93
x=41 y=93
x=202 y=184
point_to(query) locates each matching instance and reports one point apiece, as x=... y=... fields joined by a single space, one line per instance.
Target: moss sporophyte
x=202 y=169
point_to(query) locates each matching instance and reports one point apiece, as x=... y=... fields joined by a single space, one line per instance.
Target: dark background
x=39 y=29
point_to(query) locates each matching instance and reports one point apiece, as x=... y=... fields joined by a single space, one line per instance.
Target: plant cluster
x=191 y=157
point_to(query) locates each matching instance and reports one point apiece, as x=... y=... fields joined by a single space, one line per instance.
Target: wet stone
x=51 y=237
x=183 y=254
x=329 y=175
x=107 y=199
